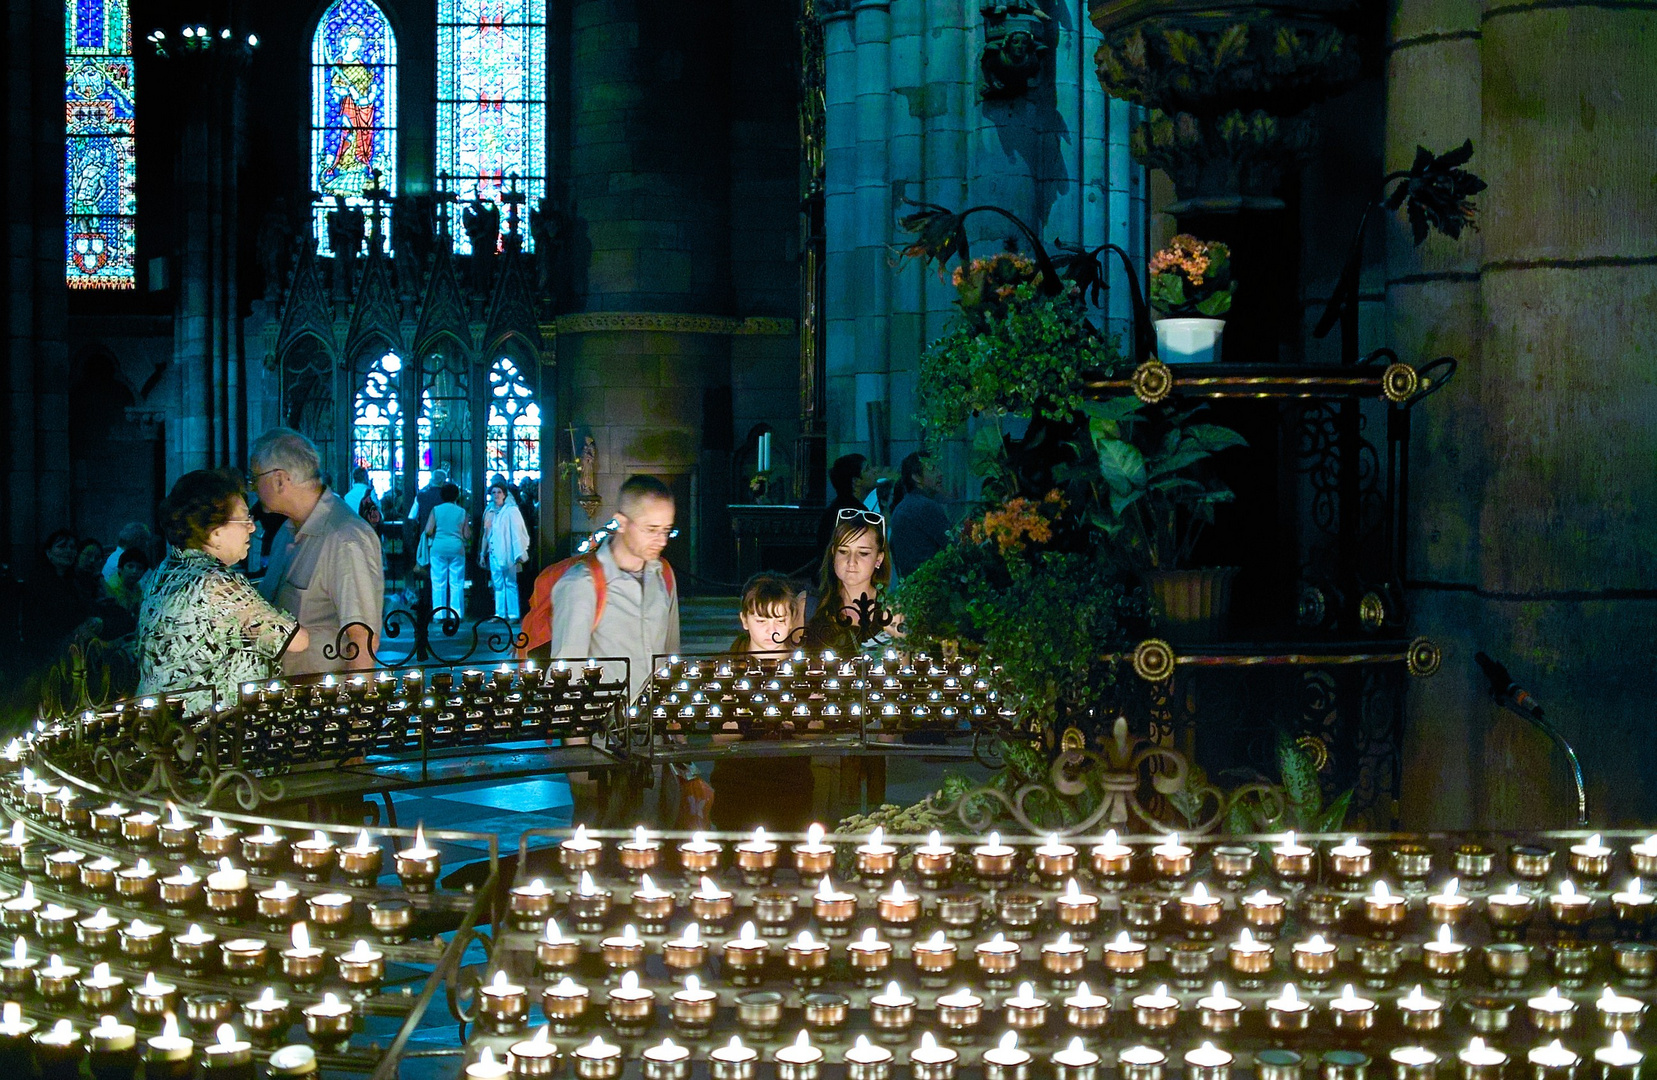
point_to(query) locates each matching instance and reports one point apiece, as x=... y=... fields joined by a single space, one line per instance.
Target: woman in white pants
x=449 y=529
x=505 y=547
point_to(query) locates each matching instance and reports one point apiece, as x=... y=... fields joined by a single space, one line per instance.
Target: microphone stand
x=1506 y=693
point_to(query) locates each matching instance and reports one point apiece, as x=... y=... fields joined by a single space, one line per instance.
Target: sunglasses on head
x=868 y=516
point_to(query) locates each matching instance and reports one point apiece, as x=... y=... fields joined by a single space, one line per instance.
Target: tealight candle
x=360 y=862
x=1642 y=856
x=711 y=904
x=55 y=923
x=631 y=1007
x=598 y=1060
x=892 y=1011
x=799 y=1060
x=195 y=949
x=419 y=865
x=538 y=1057
x=898 y=908
x=1219 y=1011
x=178 y=834
x=140 y=829
x=693 y=1008
x=1005 y=1061
x=624 y=950
x=139 y=940
x=1351 y=860
x=266 y=1017
x=934 y=860
x=330 y=911
x=1314 y=958
x=168 y=1056
x=875 y=857
x=1075 y=1062
x=1413 y=1063
x=1288 y=1012
x=1448 y=906
x=1351 y=1012
x=153 y=999
x=756 y=857
x=217 y=840
x=1076 y=908
x=98 y=875
x=264 y=848
x=997 y=957
x=17 y=973
x=1509 y=911
x=866 y=1061
x=56 y=981
x=1199 y=911
x=1551 y=1013
x=58 y=1052
x=1263 y=912
x=933 y=957
x=960 y=1012
x=1248 y=957
x=1062 y=958
x=15 y=1032
x=1618 y=1012
x=806 y=958
x=391 y=919
x=928 y=1061
x=1112 y=860
x=1384 y=909
x=565 y=1004
x=640 y=853
x=1157 y=1010
x=1591 y=858
x=100 y=990
x=1171 y=859
x=1568 y=908
x=1419 y=1012
x=302 y=963
x=1141 y=1063
x=531 y=904
x=579 y=852
x=1025 y=1011
x=312 y=857
x=1553 y=1061
x=97 y=932
x=1619 y=1061
x=1124 y=956
x=502 y=1005
x=686 y=952
x=869 y=956
x=745 y=955
x=813 y=858
x=1054 y=860
x=589 y=905
x=1633 y=906
x=277 y=904
x=363 y=966
x=65 y=866
x=994 y=860
x=1291 y=860
x=1207 y=1062
x=1444 y=957
x=699 y=855
x=227 y=889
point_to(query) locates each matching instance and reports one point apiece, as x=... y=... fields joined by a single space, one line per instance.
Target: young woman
x=856 y=569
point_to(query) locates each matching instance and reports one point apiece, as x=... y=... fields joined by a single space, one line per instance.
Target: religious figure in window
x=353 y=82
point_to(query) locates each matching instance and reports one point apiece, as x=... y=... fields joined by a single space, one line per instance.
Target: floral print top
x=204 y=624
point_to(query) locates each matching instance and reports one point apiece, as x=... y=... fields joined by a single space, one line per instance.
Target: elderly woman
x=202 y=624
x=505 y=547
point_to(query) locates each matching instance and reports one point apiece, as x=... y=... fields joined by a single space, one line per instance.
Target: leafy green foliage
x=1192 y=277
x=1297 y=803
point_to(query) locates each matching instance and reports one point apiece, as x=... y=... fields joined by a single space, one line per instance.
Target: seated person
x=774 y=792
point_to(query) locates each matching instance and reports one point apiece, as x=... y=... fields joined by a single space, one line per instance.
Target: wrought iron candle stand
x=1414 y=956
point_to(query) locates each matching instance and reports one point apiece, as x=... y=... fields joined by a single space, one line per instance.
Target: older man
x=325 y=563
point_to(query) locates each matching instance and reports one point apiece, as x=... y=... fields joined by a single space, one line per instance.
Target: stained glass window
x=491 y=100
x=353 y=109
x=100 y=168
x=513 y=438
x=444 y=426
x=377 y=423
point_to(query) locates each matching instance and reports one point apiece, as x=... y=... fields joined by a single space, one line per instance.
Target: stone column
x=840 y=61
x=1433 y=309
x=648 y=182
x=872 y=224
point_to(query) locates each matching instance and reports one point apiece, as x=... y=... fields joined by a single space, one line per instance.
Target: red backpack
x=537 y=625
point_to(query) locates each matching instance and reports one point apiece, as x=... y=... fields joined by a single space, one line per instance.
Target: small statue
x=275 y=243
x=546 y=226
x=482 y=222
x=1013 y=46
x=586 y=478
x=412 y=228
x=345 y=237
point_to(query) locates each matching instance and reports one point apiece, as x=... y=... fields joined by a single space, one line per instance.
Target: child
x=774 y=792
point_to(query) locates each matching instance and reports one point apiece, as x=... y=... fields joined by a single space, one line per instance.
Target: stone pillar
x=648 y=182
x=872 y=221
x=1433 y=309
x=839 y=187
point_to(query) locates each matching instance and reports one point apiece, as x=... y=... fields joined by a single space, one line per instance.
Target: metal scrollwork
x=398 y=621
x=162 y=755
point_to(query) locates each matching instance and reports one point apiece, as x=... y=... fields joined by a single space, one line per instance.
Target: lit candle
x=100 y=990
x=302 y=963
x=1075 y=1062
x=1633 y=906
x=363 y=966
x=1288 y=1012
x=277 y=904
x=934 y=859
x=1062 y=958
x=1591 y=858
x=139 y=940
x=806 y=958
x=58 y=1052
x=693 y=1008
x=934 y=956
x=266 y=1017
x=1413 y=1063
x=1444 y=957
x=194 y=949
x=360 y=862
x=1642 y=856
x=1124 y=956
x=217 y=840
x=869 y=956
x=892 y=1011
x=168 y=1056
x=153 y=999
x=565 y=1004
x=899 y=908
x=1314 y=958
x=960 y=1011
x=1005 y=1061
x=1112 y=860
x=98 y=876
x=928 y=1061
x=1024 y=1010
x=140 y=829
x=17 y=973
x=1263 y=911
x=757 y=857
x=997 y=957
x=875 y=857
x=1351 y=859
x=114 y=1048
x=1171 y=859
x=699 y=855
x=538 y=1057
x=1420 y=1012
x=733 y=1061
x=631 y=1007
x=580 y=851
x=1292 y=860
x=1351 y=1012
x=1619 y=1061
x=1199 y=911
x=745 y=955
x=502 y=1005
x=419 y=865
x=1157 y=1010
x=1618 y=1012
x=798 y=1060
x=866 y=1061
x=1075 y=907
x=1552 y=1013
x=813 y=857
x=97 y=932
x=711 y=904
x=624 y=950
x=1141 y=1063
x=589 y=904
x=686 y=952
x=1448 y=906
x=1207 y=1062
x=330 y=911
x=1569 y=908
x=1553 y=1061
x=640 y=853
x=598 y=1060
x=530 y=905
x=1055 y=860
x=263 y=848
x=1384 y=909
x=1219 y=1011
x=1248 y=957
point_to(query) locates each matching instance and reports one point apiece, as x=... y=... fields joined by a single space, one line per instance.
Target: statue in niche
x=1015 y=44
x=546 y=225
x=275 y=244
x=345 y=237
x=482 y=222
x=412 y=226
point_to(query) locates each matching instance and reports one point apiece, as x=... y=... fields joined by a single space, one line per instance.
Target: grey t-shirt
x=327 y=574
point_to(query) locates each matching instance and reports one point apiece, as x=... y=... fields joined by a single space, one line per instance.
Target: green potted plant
x=1155 y=499
x=1191 y=288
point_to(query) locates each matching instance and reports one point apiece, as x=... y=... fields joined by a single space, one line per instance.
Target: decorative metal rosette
x=1423 y=657
x=1153 y=660
x=1153 y=380
x=1400 y=382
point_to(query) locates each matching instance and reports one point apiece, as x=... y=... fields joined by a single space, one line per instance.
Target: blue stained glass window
x=100 y=167
x=353 y=109
x=377 y=423
x=513 y=439
x=492 y=101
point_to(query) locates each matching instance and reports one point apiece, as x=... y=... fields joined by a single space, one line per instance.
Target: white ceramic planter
x=1189 y=341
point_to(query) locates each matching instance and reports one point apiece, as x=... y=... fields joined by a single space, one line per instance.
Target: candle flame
x=708 y=889
x=20 y=950
x=1052 y=839
x=893 y=990
x=692 y=984
x=928 y=1043
x=420 y=840
x=1566 y=888
x=18 y=836
x=628 y=934
x=995 y=840
x=1072 y=889
x=362 y=840
x=1318 y=943
x=638 y=836
x=869 y=937
x=567 y=987
x=934 y=839
x=1594 y=843
x=301 y=936
x=1289 y=996
x=691 y=937
x=1009 y=1040
x=863 y=1040
x=12 y=1014
x=735 y=1044
x=646 y=885
x=150 y=985
x=825 y=891
x=319 y=838
x=1416 y=999
x=63 y=1030
x=1245 y=938
x=1552 y=995
x=814 y=834
x=630 y=980
x=1075 y=1047
x=1348 y=993
x=804 y=1041
x=998 y=941
x=805 y=940
x=169 y=1027
x=1619 y=1041
x=1122 y=940
x=499 y=981
x=1199 y=893
x=226 y=1035
x=224 y=865
x=268 y=836
x=540 y=1038
x=747 y=936
x=268 y=998
x=360 y=951
x=487 y=1058
x=759 y=841
x=144 y=867
x=554 y=935
x=897 y=892
x=1064 y=940
x=217 y=827
x=878 y=837
x=29 y=892
x=100 y=972
x=581 y=835
x=698 y=839
x=587 y=887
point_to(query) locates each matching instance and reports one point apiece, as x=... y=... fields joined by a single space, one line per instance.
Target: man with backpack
x=620 y=600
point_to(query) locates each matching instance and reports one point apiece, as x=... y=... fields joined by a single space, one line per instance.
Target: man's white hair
x=288 y=450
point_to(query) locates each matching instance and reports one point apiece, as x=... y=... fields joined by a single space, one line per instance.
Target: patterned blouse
x=203 y=624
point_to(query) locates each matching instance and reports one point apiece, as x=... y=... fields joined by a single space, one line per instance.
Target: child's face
x=768 y=631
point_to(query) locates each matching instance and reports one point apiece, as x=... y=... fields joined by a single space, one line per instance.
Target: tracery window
x=377 y=424
x=100 y=168
x=353 y=109
x=444 y=426
x=513 y=435
x=491 y=100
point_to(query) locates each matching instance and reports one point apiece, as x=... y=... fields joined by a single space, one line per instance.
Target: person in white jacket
x=504 y=549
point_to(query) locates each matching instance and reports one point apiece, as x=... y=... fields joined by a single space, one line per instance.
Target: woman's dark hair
x=449 y=492
x=198 y=504
x=56 y=535
x=845 y=531
x=133 y=555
